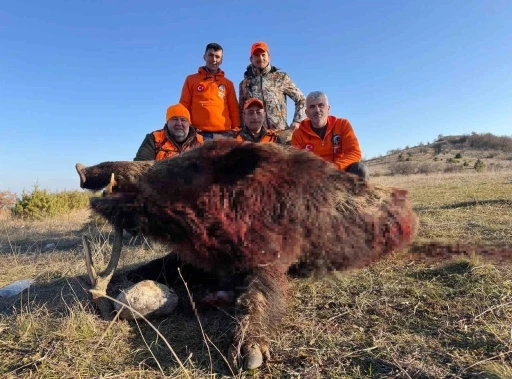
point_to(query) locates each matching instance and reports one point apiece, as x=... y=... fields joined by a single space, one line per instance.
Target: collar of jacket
x=203 y=70
x=252 y=71
x=307 y=128
x=248 y=135
x=191 y=136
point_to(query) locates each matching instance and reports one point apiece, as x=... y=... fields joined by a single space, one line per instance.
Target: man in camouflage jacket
x=267 y=83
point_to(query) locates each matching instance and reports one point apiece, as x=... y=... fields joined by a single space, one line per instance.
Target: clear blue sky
x=84 y=81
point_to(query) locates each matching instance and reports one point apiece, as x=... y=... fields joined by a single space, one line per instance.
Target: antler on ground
x=100 y=282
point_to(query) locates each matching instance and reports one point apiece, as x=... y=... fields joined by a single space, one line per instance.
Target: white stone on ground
x=147 y=297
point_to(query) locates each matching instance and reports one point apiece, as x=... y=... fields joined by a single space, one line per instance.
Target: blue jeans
x=209 y=135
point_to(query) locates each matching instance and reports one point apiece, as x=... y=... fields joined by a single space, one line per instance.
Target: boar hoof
x=251 y=356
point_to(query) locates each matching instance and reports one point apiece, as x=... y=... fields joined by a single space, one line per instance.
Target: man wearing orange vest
x=211 y=98
x=253 y=129
x=176 y=137
x=329 y=137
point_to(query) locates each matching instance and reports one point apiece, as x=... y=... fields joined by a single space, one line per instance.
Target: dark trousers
x=359 y=169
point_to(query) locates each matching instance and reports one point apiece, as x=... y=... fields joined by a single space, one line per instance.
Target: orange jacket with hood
x=339 y=145
x=211 y=101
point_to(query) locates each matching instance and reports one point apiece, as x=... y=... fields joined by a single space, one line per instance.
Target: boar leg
x=260 y=308
x=99 y=282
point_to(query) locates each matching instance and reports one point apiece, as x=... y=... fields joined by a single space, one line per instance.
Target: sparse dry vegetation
x=396 y=319
x=481 y=152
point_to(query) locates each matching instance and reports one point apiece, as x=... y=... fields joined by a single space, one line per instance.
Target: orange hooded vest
x=211 y=101
x=166 y=148
x=339 y=145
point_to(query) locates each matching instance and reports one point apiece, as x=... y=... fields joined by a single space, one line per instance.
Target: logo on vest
x=336 y=139
x=200 y=88
x=308 y=147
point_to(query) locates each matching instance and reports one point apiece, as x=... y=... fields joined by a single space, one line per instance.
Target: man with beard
x=175 y=137
x=329 y=137
x=253 y=120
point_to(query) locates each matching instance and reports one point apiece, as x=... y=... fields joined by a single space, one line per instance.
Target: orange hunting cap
x=177 y=110
x=259 y=45
x=253 y=100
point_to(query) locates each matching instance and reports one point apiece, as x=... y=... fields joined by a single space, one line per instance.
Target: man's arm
x=350 y=151
x=186 y=96
x=292 y=91
x=242 y=98
x=146 y=150
x=234 y=113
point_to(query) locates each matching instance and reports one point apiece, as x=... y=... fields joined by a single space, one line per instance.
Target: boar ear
x=237 y=164
x=80 y=168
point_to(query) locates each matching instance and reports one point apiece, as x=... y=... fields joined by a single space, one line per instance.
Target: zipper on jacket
x=263 y=98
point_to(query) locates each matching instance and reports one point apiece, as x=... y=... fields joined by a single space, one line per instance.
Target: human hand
x=294 y=126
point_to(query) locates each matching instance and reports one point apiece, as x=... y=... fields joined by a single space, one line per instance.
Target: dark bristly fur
x=258 y=210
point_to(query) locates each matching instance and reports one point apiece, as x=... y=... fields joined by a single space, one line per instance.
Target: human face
x=213 y=59
x=178 y=128
x=254 y=116
x=317 y=111
x=260 y=59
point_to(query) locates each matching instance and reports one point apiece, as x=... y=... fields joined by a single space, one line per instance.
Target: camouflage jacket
x=272 y=86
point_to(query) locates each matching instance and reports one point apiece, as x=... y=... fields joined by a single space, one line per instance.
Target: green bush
x=458 y=156
x=479 y=165
x=40 y=203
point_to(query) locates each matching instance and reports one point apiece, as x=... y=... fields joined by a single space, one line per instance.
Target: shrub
x=479 y=165
x=427 y=168
x=7 y=199
x=489 y=141
x=453 y=168
x=400 y=156
x=458 y=156
x=466 y=164
x=41 y=203
x=402 y=168
x=438 y=148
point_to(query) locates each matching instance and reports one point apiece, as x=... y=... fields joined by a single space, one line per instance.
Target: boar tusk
x=100 y=282
x=110 y=186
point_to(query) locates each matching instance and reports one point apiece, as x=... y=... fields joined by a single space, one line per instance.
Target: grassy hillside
x=447 y=154
x=400 y=318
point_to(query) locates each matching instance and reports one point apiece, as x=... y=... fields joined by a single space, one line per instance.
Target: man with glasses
x=253 y=129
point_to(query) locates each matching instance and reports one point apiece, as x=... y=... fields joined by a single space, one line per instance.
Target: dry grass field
x=399 y=318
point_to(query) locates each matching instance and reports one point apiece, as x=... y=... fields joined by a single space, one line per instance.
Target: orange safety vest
x=269 y=136
x=166 y=148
